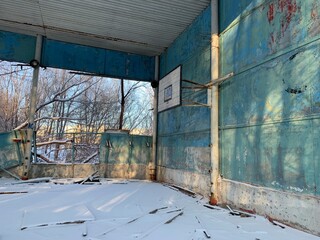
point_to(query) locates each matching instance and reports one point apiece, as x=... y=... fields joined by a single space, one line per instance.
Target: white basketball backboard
x=169 y=90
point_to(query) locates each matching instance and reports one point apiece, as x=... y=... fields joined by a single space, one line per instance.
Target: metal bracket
x=210 y=84
x=194 y=104
x=200 y=86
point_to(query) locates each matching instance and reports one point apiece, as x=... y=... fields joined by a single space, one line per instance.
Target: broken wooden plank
x=90 y=157
x=238 y=213
x=45 y=159
x=90 y=177
x=175 y=210
x=173 y=218
x=203 y=228
x=157 y=209
x=132 y=221
x=12 y=192
x=167 y=221
x=54 y=224
x=183 y=190
x=66 y=181
x=211 y=207
x=35 y=180
x=56 y=216
x=276 y=223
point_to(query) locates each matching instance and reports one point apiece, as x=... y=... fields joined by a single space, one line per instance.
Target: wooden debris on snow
x=181 y=189
x=12 y=192
x=91 y=178
x=35 y=180
x=239 y=213
x=203 y=228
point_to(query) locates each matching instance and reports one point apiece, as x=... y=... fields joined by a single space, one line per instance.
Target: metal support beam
x=32 y=108
x=214 y=102
x=155 y=121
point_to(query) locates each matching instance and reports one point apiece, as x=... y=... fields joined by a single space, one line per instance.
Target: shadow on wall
x=269 y=110
x=126 y=156
x=10 y=149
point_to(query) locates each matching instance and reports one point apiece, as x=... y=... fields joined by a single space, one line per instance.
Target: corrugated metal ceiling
x=137 y=26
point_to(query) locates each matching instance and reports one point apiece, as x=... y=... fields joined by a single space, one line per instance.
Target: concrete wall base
x=132 y=171
x=198 y=183
x=128 y=171
x=65 y=170
x=296 y=210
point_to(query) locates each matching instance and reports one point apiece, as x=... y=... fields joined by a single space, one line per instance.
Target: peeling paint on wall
x=269 y=110
x=264 y=30
x=184 y=132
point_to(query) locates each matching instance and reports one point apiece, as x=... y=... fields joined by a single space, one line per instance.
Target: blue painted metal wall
x=16 y=47
x=270 y=109
x=21 y=48
x=184 y=132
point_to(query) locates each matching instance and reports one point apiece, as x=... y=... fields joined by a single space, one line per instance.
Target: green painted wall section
x=122 y=148
x=184 y=132
x=270 y=109
x=10 y=151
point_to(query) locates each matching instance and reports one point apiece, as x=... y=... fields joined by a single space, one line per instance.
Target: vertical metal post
x=73 y=139
x=155 y=122
x=214 y=102
x=32 y=108
x=35 y=146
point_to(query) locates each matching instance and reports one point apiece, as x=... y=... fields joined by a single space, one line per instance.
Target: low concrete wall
x=198 y=183
x=299 y=211
x=130 y=171
x=59 y=170
x=65 y=170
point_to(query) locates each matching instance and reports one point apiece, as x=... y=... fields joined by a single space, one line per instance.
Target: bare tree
x=69 y=103
x=131 y=115
x=13 y=96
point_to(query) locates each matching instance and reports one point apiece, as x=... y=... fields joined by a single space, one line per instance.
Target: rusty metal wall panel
x=268 y=30
x=270 y=110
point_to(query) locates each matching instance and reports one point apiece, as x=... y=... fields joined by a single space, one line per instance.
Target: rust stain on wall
x=271 y=12
x=289 y=8
x=283 y=15
x=314 y=29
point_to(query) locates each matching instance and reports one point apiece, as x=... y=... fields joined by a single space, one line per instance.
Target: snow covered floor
x=122 y=210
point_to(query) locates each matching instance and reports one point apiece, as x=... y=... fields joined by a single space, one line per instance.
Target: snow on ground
x=122 y=210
